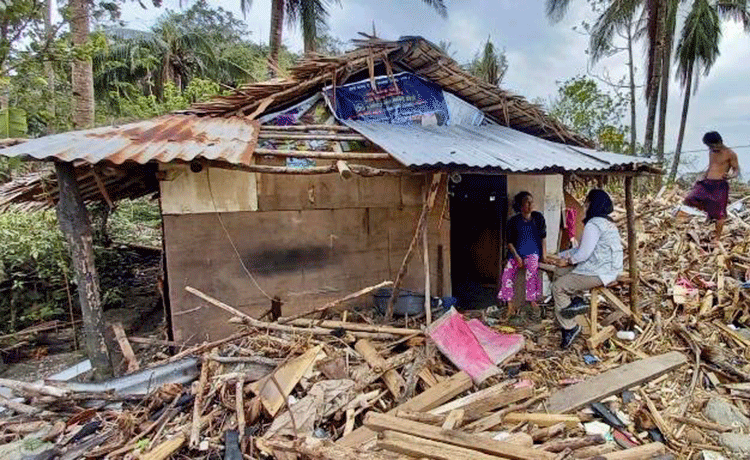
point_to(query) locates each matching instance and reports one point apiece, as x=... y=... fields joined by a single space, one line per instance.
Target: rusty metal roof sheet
x=489 y=146
x=163 y=139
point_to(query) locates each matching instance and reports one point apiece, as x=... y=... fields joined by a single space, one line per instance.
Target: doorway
x=478 y=210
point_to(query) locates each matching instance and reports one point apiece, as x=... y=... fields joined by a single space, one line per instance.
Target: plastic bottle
x=626 y=335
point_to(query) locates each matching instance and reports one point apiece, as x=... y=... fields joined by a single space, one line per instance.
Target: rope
x=229 y=237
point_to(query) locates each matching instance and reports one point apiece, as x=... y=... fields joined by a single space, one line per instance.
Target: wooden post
x=632 y=249
x=429 y=202
x=426 y=253
x=74 y=223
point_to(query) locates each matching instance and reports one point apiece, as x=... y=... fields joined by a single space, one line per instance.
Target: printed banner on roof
x=403 y=99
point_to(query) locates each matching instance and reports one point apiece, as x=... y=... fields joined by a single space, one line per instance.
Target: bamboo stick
x=332 y=304
x=324 y=155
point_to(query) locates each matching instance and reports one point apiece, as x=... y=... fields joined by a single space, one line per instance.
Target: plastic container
x=626 y=335
x=411 y=303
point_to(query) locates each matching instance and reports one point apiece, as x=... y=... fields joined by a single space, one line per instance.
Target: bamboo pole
x=429 y=202
x=324 y=155
x=632 y=249
x=426 y=257
x=310 y=137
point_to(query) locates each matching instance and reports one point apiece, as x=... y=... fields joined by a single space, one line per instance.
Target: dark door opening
x=478 y=209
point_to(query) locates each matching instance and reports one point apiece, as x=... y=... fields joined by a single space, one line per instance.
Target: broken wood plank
x=600 y=337
x=613 y=381
x=454 y=419
x=616 y=302
x=573 y=443
x=127 y=350
x=357 y=327
x=541 y=419
x=479 y=403
x=383 y=422
x=424 y=448
x=702 y=424
x=656 y=415
x=287 y=376
x=165 y=450
x=33 y=388
x=427 y=377
x=637 y=453
x=428 y=399
x=392 y=379
x=496 y=418
x=422 y=417
x=22 y=408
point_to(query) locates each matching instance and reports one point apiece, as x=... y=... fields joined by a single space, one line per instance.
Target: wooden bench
x=596 y=295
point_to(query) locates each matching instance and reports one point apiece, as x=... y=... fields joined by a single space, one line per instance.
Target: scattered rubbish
x=626 y=335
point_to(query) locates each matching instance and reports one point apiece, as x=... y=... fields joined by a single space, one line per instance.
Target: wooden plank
x=613 y=381
x=422 y=417
x=541 y=419
x=416 y=447
x=632 y=246
x=383 y=422
x=127 y=350
x=392 y=378
x=600 y=337
x=611 y=297
x=489 y=399
x=454 y=419
x=287 y=377
x=431 y=398
x=637 y=453
x=594 y=311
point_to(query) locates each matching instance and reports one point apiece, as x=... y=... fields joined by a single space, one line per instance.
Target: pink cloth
x=533 y=281
x=471 y=346
x=498 y=347
x=457 y=342
x=570 y=222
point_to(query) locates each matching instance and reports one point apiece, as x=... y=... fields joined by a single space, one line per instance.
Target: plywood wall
x=312 y=239
x=548 y=196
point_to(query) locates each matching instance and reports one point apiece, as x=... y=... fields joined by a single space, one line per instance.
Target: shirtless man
x=712 y=193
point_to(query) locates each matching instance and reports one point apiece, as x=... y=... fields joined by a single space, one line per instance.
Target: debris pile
x=670 y=381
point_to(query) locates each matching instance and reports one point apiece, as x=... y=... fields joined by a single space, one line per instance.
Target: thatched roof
x=411 y=54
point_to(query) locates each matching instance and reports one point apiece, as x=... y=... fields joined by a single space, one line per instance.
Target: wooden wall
x=305 y=239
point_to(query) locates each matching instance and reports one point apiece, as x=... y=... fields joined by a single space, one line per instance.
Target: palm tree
x=169 y=53
x=619 y=14
x=698 y=50
x=490 y=67
x=312 y=16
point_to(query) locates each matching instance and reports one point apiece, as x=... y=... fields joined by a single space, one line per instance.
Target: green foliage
x=12 y=123
x=588 y=110
x=136 y=221
x=17 y=18
x=489 y=65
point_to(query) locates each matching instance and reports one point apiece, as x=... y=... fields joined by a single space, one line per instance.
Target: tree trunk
x=71 y=212
x=654 y=80
x=683 y=121
x=75 y=225
x=83 y=78
x=274 y=41
x=631 y=70
x=49 y=69
x=667 y=36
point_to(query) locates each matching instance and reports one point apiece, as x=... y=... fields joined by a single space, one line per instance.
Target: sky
x=540 y=54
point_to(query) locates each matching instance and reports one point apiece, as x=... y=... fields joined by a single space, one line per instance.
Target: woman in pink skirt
x=526 y=233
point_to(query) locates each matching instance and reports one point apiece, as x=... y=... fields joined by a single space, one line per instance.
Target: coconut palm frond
x=618 y=15
x=698 y=47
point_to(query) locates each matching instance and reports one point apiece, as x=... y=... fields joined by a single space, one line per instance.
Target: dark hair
x=518 y=200
x=600 y=205
x=712 y=138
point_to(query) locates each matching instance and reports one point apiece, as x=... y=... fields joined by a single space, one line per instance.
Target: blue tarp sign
x=402 y=99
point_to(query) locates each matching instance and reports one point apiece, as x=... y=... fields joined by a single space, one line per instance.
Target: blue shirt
x=528 y=240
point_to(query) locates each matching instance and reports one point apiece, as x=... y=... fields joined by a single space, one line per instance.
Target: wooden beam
x=637 y=453
x=454 y=419
x=541 y=419
x=344 y=170
x=310 y=137
x=127 y=350
x=613 y=381
x=323 y=155
x=426 y=262
x=479 y=403
x=384 y=422
x=632 y=246
x=417 y=447
x=616 y=302
x=600 y=337
x=428 y=399
x=392 y=379
x=429 y=202
x=102 y=188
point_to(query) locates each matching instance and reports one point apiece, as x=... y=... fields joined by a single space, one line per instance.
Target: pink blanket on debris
x=475 y=353
x=498 y=347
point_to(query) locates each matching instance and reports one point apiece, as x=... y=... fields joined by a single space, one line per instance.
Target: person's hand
x=519 y=261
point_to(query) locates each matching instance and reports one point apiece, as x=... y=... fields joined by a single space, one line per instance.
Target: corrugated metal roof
x=163 y=139
x=488 y=146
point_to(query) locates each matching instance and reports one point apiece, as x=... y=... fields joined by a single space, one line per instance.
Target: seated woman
x=527 y=233
x=596 y=262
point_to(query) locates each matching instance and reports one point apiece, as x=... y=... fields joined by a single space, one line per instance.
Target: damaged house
x=290 y=193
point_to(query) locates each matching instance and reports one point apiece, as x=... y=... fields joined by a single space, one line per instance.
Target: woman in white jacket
x=596 y=262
